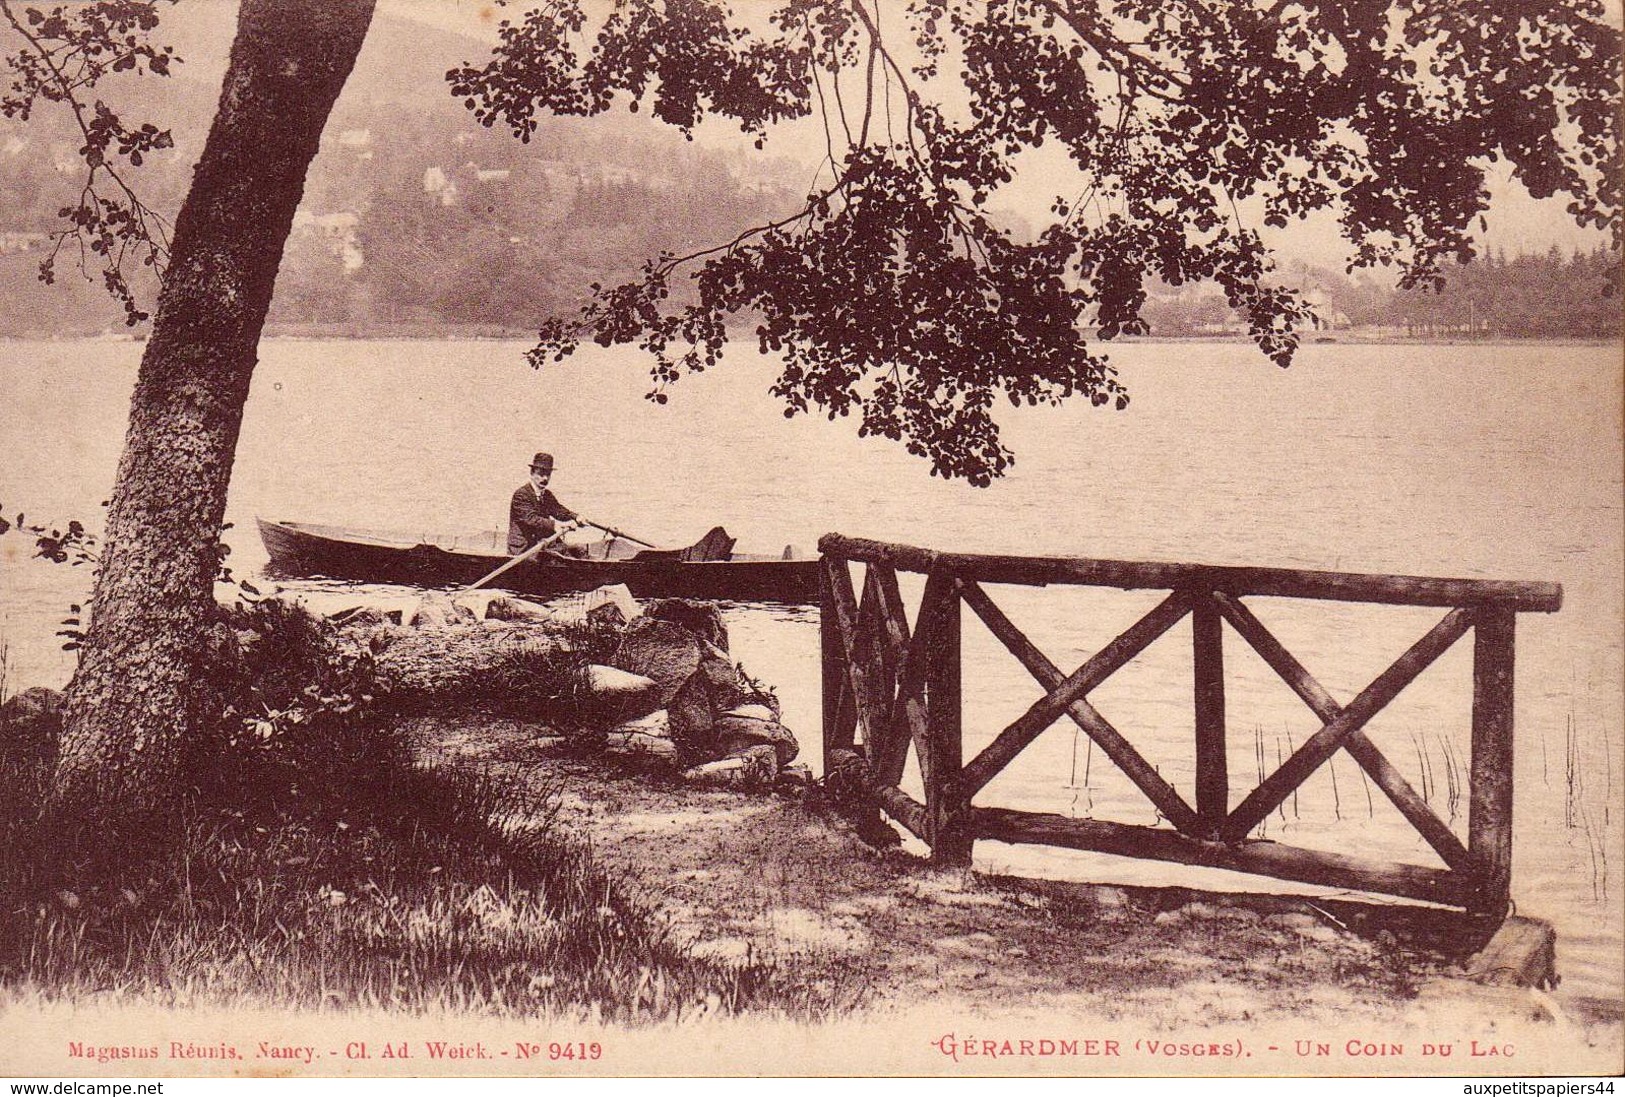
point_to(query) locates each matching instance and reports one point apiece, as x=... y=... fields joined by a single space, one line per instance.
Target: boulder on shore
x=612 y=695
x=521 y=659
x=616 y=595
x=31 y=728
x=366 y=617
x=649 y=734
x=508 y=665
x=725 y=682
x=656 y=724
x=440 y=611
x=611 y=605
x=716 y=688
x=748 y=726
x=503 y=607
x=756 y=767
x=662 y=650
x=692 y=715
x=703 y=619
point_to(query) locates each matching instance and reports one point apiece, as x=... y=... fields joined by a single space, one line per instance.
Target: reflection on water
x=1487 y=462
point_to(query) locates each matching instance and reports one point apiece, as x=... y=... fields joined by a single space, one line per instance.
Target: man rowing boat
x=535 y=514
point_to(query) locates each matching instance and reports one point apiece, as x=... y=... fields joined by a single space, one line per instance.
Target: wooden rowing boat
x=709 y=569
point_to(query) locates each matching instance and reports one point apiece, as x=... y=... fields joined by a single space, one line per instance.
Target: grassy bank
x=312 y=863
x=332 y=854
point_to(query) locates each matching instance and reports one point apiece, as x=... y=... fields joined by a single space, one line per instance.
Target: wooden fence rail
x=902 y=688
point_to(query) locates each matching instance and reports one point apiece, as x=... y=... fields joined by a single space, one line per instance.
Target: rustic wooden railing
x=903 y=688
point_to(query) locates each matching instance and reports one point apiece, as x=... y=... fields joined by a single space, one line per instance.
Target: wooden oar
x=613 y=532
x=515 y=562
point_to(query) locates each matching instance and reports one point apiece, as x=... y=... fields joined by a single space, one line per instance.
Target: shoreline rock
x=600 y=670
x=31 y=729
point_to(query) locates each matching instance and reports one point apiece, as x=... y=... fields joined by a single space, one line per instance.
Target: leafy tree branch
x=901 y=297
x=66 y=51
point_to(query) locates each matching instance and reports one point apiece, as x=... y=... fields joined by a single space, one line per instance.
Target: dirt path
x=781 y=876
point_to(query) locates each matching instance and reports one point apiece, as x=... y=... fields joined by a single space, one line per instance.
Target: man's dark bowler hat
x=542 y=461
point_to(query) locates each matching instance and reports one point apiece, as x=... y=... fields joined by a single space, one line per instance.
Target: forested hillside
x=416 y=219
x=419 y=221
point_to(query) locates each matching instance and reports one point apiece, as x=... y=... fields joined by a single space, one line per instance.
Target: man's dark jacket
x=530 y=519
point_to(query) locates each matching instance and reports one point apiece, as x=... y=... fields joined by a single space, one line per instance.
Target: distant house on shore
x=336 y=230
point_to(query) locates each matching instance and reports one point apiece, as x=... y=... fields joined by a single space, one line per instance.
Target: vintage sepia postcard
x=585 y=538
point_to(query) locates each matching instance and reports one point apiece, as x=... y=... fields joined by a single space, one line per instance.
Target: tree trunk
x=143 y=680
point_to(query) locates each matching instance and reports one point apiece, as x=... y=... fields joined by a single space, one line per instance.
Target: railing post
x=840 y=723
x=1489 y=812
x=1212 y=776
x=948 y=809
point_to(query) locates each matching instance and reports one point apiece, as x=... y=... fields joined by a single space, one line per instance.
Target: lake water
x=1467 y=461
